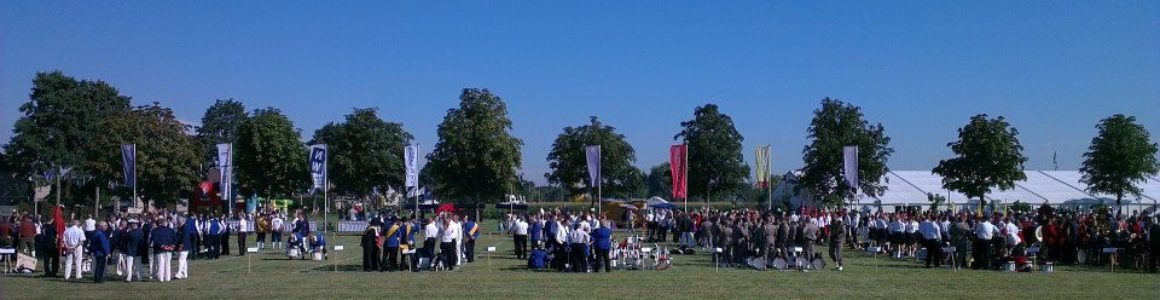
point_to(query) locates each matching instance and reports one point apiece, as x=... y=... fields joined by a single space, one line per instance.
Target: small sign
x=646 y=249
x=490 y=249
x=134 y=210
x=339 y=247
x=252 y=250
x=7 y=250
x=718 y=250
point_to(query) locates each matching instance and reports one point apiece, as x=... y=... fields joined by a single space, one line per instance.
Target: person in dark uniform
x=213 y=239
x=602 y=241
x=131 y=246
x=100 y=248
x=470 y=234
x=225 y=236
x=370 y=247
x=49 y=249
x=837 y=235
x=391 y=244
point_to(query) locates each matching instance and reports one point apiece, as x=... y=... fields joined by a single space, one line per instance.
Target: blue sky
x=922 y=68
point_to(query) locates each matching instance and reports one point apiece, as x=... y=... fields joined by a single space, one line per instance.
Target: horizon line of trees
x=80 y=123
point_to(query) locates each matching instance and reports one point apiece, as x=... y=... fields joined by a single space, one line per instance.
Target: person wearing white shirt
x=447 y=239
x=984 y=232
x=579 y=239
x=913 y=238
x=1012 y=231
x=897 y=239
x=520 y=237
x=242 y=228
x=276 y=227
x=931 y=238
x=74 y=241
x=431 y=235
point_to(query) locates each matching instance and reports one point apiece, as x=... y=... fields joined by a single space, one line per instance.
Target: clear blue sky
x=922 y=68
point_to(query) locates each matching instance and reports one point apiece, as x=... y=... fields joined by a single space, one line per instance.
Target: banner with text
x=129 y=164
x=225 y=161
x=850 y=165
x=592 y=153
x=318 y=156
x=411 y=158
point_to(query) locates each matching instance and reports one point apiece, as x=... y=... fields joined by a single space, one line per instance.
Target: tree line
x=79 y=124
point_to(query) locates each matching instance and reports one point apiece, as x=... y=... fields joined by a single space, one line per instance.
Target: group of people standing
x=389 y=242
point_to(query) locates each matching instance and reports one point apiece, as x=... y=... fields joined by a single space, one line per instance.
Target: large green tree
x=987 y=156
x=59 y=122
x=569 y=163
x=221 y=123
x=835 y=125
x=716 y=165
x=660 y=181
x=1120 y=156
x=269 y=157
x=365 y=152
x=476 y=157
x=167 y=158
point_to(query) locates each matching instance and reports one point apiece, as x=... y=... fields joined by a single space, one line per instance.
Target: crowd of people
x=144 y=246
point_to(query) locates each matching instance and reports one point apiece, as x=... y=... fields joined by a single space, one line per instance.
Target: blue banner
x=318 y=167
x=129 y=164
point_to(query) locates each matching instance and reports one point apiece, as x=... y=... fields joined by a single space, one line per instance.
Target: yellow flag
x=763 y=162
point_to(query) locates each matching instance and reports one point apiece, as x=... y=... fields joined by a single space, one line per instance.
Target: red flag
x=58 y=222
x=678 y=156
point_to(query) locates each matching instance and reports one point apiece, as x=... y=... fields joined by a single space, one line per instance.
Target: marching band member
x=447 y=247
x=391 y=244
x=602 y=241
x=470 y=234
x=579 y=239
x=186 y=238
x=370 y=247
x=520 y=237
x=130 y=246
x=74 y=239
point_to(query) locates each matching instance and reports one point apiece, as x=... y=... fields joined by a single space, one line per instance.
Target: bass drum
x=780 y=263
x=819 y=264
x=757 y=263
x=802 y=262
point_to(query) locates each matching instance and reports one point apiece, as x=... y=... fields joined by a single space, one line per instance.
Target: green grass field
x=502 y=276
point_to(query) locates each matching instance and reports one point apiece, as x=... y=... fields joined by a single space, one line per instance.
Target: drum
x=293 y=253
x=1047 y=267
x=802 y=262
x=780 y=263
x=757 y=263
x=318 y=255
x=1009 y=266
x=819 y=264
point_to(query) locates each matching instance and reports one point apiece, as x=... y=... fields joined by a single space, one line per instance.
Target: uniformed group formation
x=149 y=242
x=388 y=243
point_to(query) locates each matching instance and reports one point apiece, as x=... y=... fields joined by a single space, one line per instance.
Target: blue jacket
x=392 y=238
x=187 y=237
x=534 y=232
x=320 y=241
x=100 y=245
x=602 y=238
x=468 y=228
x=131 y=243
x=215 y=227
x=162 y=236
x=551 y=230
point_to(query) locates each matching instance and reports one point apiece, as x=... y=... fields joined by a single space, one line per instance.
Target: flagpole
x=768 y=171
x=134 y=201
x=599 y=181
x=685 y=177
x=325 y=199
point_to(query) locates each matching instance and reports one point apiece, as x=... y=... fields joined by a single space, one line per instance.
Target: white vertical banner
x=225 y=161
x=411 y=159
x=592 y=152
x=318 y=157
x=850 y=165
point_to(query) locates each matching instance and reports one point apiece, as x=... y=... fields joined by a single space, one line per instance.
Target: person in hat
x=391 y=239
x=49 y=249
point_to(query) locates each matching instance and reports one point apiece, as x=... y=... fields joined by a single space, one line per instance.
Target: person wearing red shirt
x=27 y=234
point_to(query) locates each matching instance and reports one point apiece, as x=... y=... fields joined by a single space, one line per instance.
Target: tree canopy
x=1120 y=156
x=716 y=165
x=221 y=123
x=269 y=157
x=365 y=152
x=660 y=181
x=987 y=155
x=59 y=123
x=835 y=125
x=167 y=158
x=477 y=157
x=569 y=163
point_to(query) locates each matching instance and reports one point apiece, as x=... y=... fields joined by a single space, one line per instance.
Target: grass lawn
x=274 y=277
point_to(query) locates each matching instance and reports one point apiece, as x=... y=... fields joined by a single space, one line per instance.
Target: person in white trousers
x=163 y=244
x=74 y=241
x=130 y=248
